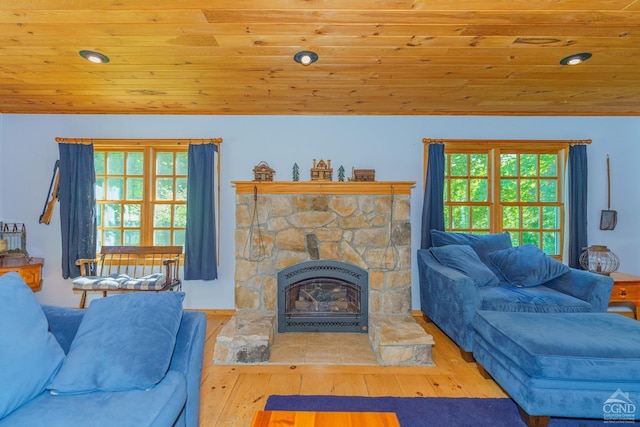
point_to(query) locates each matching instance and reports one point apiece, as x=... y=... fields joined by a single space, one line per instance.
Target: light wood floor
x=231 y=394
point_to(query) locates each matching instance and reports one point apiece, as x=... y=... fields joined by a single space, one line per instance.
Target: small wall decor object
x=608 y=217
x=599 y=259
x=296 y=172
x=341 y=173
x=321 y=171
x=262 y=172
x=364 y=174
x=52 y=196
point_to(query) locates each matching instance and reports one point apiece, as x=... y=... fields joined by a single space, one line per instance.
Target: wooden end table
x=29 y=268
x=324 y=419
x=626 y=287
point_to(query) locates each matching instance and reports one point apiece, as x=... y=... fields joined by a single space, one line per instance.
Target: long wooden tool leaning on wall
x=52 y=196
x=608 y=217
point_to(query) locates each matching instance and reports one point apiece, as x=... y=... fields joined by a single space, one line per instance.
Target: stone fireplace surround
x=280 y=224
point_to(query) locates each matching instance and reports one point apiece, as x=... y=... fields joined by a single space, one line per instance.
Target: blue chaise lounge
x=464 y=273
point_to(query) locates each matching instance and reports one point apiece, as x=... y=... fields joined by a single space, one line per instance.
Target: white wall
x=391 y=145
x=2 y=179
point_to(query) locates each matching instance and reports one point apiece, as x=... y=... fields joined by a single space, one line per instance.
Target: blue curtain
x=433 y=203
x=76 y=192
x=577 y=203
x=200 y=261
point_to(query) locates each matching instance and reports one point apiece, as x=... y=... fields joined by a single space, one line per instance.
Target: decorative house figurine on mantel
x=363 y=174
x=262 y=172
x=321 y=171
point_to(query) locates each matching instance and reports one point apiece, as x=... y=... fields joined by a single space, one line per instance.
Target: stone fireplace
x=280 y=225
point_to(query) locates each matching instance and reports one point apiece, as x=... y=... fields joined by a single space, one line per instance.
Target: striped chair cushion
x=118 y=281
x=98 y=282
x=152 y=282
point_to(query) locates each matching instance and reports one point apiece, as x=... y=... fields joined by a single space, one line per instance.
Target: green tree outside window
x=502 y=188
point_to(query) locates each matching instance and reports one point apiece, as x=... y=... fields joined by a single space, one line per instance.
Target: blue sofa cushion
x=566 y=346
x=29 y=354
x=464 y=259
x=483 y=244
x=526 y=266
x=159 y=406
x=124 y=342
x=539 y=299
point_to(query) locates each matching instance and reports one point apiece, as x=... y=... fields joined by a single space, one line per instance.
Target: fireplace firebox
x=323 y=296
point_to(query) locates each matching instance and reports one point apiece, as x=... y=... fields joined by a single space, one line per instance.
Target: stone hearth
x=362 y=223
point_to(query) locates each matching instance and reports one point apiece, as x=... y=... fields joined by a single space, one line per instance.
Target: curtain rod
x=580 y=142
x=523 y=141
x=87 y=141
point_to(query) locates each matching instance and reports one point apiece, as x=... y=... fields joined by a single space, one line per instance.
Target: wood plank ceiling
x=387 y=57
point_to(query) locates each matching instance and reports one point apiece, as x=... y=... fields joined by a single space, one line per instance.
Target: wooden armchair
x=130 y=268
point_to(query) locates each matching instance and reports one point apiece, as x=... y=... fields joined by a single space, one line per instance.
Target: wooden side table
x=29 y=268
x=626 y=287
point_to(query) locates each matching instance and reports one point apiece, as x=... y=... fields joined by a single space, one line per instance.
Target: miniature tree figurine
x=296 y=172
x=341 y=174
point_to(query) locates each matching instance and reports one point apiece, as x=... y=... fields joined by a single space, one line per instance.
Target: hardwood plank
x=248 y=396
x=487 y=17
x=72 y=16
x=448 y=386
x=326 y=29
x=292 y=40
x=523 y=55
x=382 y=385
x=317 y=383
x=326 y=4
x=348 y=384
x=284 y=383
x=413 y=385
x=217 y=388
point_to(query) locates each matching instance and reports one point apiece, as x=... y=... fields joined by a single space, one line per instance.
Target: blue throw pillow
x=483 y=244
x=29 y=354
x=464 y=259
x=124 y=342
x=526 y=266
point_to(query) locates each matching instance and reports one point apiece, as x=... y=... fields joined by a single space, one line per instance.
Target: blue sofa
x=130 y=360
x=464 y=273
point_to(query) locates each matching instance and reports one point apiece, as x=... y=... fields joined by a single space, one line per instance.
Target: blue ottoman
x=573 y=365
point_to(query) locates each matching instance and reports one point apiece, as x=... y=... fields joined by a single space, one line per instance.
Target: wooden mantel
x=324 y=187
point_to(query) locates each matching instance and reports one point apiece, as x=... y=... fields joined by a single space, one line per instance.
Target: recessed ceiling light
x=576 y=59
x=305 y=57
x=93 y=56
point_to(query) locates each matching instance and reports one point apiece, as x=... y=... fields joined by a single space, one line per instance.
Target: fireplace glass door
x=322 y=303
